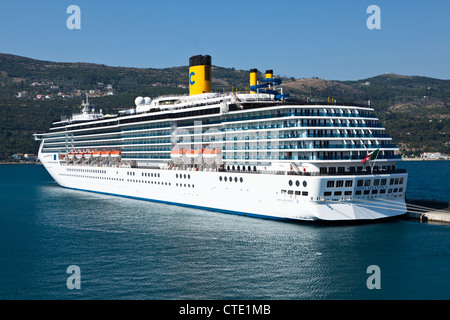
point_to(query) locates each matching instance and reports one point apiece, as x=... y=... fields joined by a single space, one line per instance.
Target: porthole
x=220 y=178
x=290 y=182
x=231 y=179
x=176 y=176
x=305 y=184
x=297 y=183
x=225 y=179
x=241 y=179
x=235 y=179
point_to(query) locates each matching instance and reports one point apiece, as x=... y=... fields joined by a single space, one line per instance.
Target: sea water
x=133 y=249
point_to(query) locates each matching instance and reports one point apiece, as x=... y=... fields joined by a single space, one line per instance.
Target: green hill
x=33 y=93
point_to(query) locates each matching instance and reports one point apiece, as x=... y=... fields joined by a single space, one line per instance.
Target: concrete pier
x=432 y=211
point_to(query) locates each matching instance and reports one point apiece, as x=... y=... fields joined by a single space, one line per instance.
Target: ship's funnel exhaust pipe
x=199 y=74
x=269 y=74
x=253 y=78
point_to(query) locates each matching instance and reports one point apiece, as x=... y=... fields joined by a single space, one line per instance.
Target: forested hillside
x=33 y=93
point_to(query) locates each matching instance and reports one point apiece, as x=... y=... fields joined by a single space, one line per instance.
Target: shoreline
x=24 y=162
x=420 y=159
x=38 y=162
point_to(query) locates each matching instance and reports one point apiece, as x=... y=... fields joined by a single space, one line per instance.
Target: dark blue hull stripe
x=253 y=215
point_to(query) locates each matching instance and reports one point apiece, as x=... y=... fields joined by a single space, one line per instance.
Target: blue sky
x=327 y=39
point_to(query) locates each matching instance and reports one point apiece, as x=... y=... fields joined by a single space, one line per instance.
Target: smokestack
x=253 y=78
x=199 y=74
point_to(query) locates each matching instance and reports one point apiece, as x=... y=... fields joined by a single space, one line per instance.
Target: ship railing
x=348 y=173
x=325 y=103
x=300 y=173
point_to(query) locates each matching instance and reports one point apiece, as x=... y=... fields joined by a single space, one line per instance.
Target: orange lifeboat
x=211 y=153
x=116 y=153
x=106 y=154
x=96 y=154
x=79 y=154
x=176 y=154
x=193 y=153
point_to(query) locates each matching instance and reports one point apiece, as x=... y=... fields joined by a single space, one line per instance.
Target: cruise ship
x=256 y=153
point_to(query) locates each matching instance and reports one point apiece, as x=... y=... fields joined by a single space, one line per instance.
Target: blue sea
x=133 y=249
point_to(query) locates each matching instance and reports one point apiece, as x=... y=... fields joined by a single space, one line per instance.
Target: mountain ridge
x=403 y=103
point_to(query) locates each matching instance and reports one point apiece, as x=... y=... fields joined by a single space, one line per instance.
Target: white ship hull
x=258 y=195
x=251 y=153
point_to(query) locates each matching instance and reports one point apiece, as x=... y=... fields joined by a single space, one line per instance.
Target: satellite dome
x=139 y=101
x=147 y=100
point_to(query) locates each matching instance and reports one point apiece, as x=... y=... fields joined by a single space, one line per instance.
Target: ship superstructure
x=254 y=153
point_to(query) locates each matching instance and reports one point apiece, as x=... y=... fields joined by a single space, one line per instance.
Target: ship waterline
x=256 y=154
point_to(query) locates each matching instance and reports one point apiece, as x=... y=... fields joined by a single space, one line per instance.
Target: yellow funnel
x=269 y=74
x=253 y=78
x=199 y=74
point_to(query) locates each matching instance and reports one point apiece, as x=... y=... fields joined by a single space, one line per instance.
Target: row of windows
x=359 y=192
x=340 y=183
x=181 y=176
x=297 y=183
x=231 y=179
x=144 y=174
x=86 y=170
x=381 y=182
x=148 y=174
x=294 y=192
x=361 y=183
x=91 y=177
x=149 y=182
